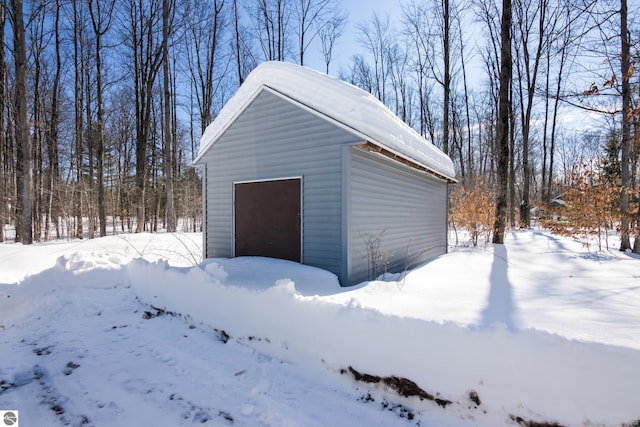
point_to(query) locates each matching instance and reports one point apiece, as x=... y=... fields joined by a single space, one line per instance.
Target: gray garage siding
x=271 y=139
x=409 y=205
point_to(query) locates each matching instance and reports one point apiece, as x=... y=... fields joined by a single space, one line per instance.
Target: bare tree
x=530 y=42
x=207 y=62
x=78 y=56
x=123 y=134
x=625 y=172
x=271 y=25
x=446 y=83
x=564 y=17
x=312 y=16
x=376 y=36
x=100 y=13
x=488 y=14
x=238 y=44
x=329 y=35
x=4 y=155
x=466 y=101
x=144 y=42
x=60 y=168
x=430 y=27
x=612 y=85
x=416 y=20
x=38 y=39
x=52 y=131
x=398 y=74
x=245 y=58
x=167 y=18
x=24 y=166
x=360 y=74
x=503 y=124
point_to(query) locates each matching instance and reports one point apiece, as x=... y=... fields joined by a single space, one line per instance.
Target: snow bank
x=18 y=261
x=531 y=374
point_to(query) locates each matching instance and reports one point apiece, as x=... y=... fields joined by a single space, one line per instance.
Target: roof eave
x=377 y=147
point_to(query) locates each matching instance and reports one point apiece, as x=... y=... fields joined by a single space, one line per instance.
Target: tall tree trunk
x=168 y=134
x=554 y=123
x=446 y=79
x=78 y=103
x=23 y=140
x=636 y=242
x=147 y=59
x=526 y=99
x=466 y=106
x=511 y=198
x=52 y=134
x=634 y=177
x=625 y=174
x=141 y=177
x=37 y=117
x=4 y=191
x=545 y=144
x=503 y=124
x=236 y=28
x=90 y=187
x=101 y=22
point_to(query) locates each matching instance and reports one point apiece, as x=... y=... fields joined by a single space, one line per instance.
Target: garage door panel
x=267 y=219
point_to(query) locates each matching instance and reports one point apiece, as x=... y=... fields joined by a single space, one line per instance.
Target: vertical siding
x=204 y=212
x=409 y=206
x=274 y=138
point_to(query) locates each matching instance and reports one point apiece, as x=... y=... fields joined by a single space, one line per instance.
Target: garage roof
x=339 y=101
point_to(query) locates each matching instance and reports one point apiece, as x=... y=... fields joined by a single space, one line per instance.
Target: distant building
x=301 y=166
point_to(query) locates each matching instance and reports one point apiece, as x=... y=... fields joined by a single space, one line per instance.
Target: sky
x=362 y=11
x=359 y=12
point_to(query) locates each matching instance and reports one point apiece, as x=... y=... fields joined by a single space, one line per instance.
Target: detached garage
x=301 y=166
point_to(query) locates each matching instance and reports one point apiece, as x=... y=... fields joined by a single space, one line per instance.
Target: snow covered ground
x=134 y=330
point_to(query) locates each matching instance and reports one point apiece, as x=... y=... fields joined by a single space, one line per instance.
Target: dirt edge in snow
x=403 y=386
x=531 y=423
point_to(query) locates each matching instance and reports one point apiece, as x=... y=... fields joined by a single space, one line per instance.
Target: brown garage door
x=267 y=219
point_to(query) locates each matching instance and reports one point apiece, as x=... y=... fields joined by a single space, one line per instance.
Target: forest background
x=103 y=102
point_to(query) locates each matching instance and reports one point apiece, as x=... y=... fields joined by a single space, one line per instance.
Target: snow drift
x=531 y=374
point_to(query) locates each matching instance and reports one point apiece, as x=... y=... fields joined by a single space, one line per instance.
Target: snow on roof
x=342 y=102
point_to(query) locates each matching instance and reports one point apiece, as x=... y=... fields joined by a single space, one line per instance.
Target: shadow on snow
x=501 y=307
